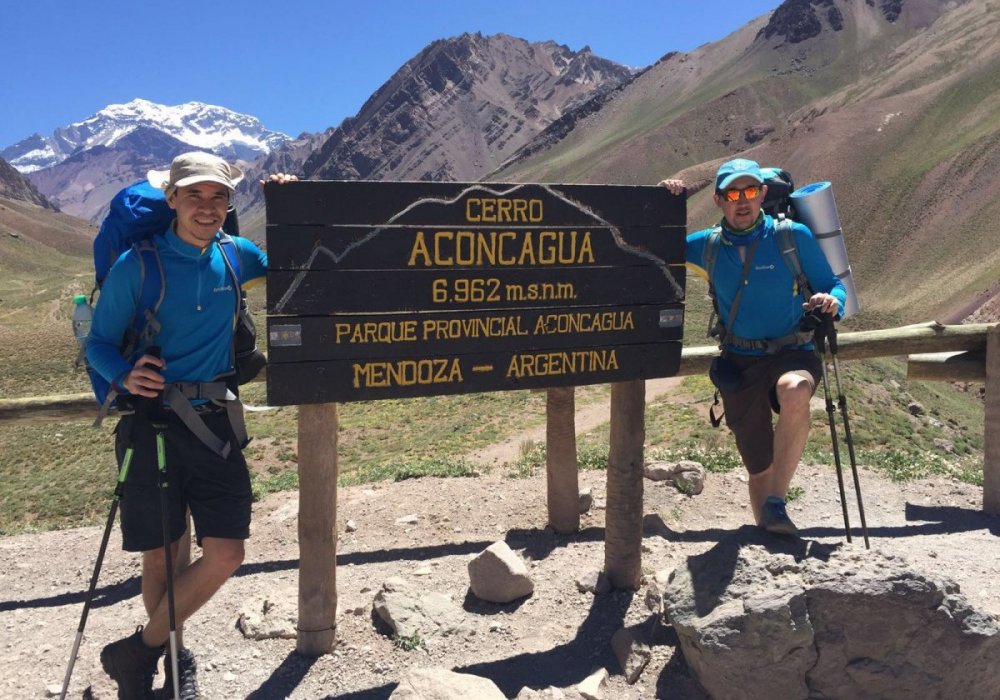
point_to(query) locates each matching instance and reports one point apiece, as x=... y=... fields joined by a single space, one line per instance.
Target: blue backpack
x=139 y=214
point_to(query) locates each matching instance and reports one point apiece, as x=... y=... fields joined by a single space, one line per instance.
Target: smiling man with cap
x=196 y=324
x=765 y=363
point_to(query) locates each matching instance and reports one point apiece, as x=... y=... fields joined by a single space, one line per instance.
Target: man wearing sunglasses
x=766 y=364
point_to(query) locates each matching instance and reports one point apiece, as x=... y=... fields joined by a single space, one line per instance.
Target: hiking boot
x=774 y=518
x=187 y=672
x=132 y=665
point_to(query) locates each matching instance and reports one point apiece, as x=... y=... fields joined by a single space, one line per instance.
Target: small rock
x=444 y=684
x=592 y=687
x=586 y=500
x=351 y=526
x=411 y=519
x=632 y=654
x=596 y=582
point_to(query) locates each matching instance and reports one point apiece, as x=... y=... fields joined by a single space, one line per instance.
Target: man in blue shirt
x=196 y=319
x=765 y=363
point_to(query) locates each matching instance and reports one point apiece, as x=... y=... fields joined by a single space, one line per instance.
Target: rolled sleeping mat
x=815 y=207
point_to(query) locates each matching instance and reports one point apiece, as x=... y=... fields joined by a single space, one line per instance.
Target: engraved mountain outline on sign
x=407 y=216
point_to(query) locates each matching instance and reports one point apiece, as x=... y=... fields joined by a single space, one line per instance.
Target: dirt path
x=587 y=418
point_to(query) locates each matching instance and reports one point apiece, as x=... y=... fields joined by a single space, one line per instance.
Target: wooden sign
x=401 y=289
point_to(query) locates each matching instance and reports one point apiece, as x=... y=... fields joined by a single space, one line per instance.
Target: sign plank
x=353 y=291
x=414 y=248
x=439 y=375
x=449 y=203
x=368 y=336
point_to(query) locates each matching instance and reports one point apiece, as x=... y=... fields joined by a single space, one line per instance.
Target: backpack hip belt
x=769 y=345
x=178 y=398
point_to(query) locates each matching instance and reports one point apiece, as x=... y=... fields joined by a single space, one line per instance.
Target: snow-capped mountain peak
x=209 y=127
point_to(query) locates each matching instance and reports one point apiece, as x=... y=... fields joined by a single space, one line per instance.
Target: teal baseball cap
x=735 y=169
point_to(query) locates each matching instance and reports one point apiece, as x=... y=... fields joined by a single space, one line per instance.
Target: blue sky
x=298 y=65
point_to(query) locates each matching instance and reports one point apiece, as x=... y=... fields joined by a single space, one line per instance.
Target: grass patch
x=284 y=481
x=532 y=457
x=794 y=493
x=409 y=469
x=408 y=643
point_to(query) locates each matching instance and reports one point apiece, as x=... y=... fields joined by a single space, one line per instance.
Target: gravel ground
x=555 y=637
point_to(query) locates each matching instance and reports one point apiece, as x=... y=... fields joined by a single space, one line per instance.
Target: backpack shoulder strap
x=708 y=257
x=710 y=254
x=231 y=254
x=152 y=290
x=785 y=234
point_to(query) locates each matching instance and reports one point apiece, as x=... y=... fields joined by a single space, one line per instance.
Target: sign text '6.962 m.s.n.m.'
x=389 y=290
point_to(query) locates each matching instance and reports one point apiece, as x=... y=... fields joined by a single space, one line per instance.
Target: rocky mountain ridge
x=457 y=108
x=455 y=111
x=13 y=185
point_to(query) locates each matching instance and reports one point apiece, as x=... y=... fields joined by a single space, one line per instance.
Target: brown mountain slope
x=895 y=103
x=32 y=237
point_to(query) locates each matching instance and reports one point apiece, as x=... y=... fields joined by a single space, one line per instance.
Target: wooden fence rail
x=937 y=352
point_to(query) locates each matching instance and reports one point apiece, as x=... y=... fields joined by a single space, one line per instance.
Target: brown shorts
x=748 y=408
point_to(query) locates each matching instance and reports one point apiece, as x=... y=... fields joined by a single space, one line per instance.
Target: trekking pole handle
x=151 y=404
x=830 y=331
x=815 y=321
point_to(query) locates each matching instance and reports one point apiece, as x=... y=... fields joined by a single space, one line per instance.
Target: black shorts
x=216 y=490
x=748 y=408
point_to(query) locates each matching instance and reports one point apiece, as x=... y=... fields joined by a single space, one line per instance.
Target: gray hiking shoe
x=131 y=664
x=774 y=518
x=187 y=673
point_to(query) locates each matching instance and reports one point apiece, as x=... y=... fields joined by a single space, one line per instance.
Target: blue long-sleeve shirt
x=196 y=315
x=771 y=305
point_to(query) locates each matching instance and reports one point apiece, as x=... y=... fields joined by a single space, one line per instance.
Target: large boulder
x=760 y=616
x=444 y=684
x=411 y=610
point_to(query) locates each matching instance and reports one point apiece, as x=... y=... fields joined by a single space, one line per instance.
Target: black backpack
x=777 y=202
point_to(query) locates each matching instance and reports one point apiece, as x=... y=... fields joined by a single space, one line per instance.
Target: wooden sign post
x=380 y=290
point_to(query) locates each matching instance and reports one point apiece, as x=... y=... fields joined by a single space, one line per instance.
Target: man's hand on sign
x=280 y=178
x=675 y=187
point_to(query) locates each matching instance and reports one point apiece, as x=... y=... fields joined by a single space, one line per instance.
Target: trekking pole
x=119 y=491
x=817 y=325
x=831 y=332
x=158 y=423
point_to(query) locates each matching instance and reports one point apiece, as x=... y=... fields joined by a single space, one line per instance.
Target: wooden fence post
x=623 y=517
x=560 y=460
x=317 y=625
x=991 y=435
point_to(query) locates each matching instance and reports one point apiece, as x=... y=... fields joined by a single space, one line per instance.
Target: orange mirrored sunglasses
x=749 y=192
